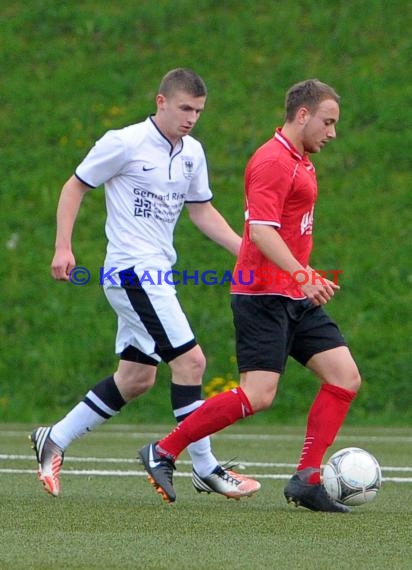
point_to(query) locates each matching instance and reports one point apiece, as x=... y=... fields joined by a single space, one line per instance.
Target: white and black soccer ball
x=352 y=476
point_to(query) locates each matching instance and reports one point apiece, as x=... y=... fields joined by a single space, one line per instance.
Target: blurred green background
x=71 y=70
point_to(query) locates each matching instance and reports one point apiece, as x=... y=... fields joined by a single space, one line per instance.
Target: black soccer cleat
x=311 y=496
x=160 y=471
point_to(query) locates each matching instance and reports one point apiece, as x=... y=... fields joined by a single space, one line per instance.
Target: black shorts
x=269 y=328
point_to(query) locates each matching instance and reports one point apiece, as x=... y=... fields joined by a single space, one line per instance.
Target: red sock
x=325 y=418
x=215 y=414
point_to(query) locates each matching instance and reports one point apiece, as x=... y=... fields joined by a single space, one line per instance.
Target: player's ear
x=303 y=115
x=160 y=100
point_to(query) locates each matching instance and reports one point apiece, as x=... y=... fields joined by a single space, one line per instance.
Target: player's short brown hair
x=182 y=79
x=308 y=94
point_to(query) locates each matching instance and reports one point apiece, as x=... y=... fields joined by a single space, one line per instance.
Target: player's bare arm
x=211 y=223
x=69 y=203
x=271 y=244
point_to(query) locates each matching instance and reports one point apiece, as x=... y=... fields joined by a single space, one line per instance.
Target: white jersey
x=147 y=182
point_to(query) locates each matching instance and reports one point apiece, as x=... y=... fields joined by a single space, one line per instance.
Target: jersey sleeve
x=268 y=184
x=199 y=190
x=104 y=160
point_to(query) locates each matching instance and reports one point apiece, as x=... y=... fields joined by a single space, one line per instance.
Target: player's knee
x=260 y=400
x=196 y=367
x=354 y=381
x=132 y=384
x=260 y=388
x=143 y=383
x=189 y=367
x=262 y=403
x=350 y=380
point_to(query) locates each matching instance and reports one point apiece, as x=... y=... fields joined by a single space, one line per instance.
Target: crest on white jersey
x=188 y=165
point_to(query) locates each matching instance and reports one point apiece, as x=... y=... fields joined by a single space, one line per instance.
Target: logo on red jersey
x=306 y=224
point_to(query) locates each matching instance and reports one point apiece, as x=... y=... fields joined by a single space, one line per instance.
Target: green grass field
x=109 y=517
x=72 y=70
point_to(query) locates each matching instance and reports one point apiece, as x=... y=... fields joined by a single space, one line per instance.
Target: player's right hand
x=62 y=264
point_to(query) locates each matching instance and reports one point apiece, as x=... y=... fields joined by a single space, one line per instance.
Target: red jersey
x=281 y=191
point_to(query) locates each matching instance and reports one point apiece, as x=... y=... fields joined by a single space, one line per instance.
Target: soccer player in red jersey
x=277 y=303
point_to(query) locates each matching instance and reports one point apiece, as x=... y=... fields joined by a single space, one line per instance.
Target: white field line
x=116 y=473
x=398 y=439
x=132 y=473
x=148 y=436
x=241 y=466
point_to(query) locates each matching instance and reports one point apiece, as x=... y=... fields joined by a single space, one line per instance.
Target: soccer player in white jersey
x=149 y=170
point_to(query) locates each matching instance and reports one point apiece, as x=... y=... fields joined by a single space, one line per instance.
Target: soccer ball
x=352 y=476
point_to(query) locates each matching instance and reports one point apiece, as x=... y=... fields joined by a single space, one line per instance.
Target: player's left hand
x=321 y=291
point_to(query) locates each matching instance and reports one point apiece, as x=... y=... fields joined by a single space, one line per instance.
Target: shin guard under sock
x=215 y=414
x=325 y=418
x=102 y=402
x=185 y=400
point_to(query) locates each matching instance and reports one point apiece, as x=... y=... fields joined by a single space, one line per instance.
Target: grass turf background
x=118 y=522
x=72 y=70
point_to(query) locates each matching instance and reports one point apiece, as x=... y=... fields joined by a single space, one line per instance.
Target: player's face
x=320 y=126
x=177 y=114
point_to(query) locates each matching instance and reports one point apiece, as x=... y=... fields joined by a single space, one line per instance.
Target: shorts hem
x=259 y=369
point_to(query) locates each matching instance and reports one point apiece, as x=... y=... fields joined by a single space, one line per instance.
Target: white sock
x=204 y=462
x=76 y=423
